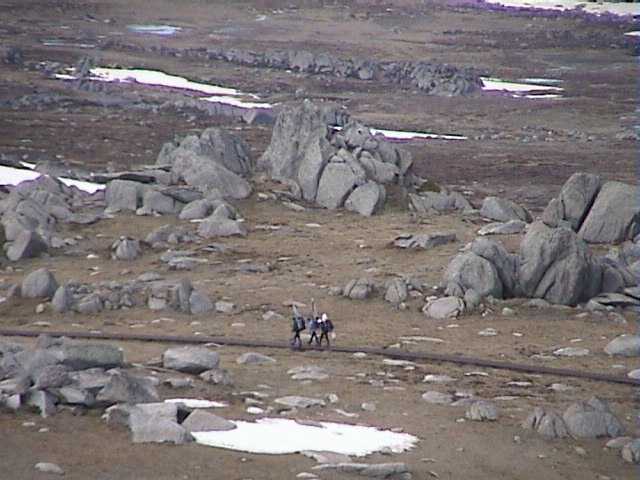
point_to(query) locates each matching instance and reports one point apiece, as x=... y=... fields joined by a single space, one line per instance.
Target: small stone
x=482 y=410
x=571 y=352
x=253 y=358
x=225 y=307
x=437 y=397
x=368 y=406
x=618 y=443
x=46 y=467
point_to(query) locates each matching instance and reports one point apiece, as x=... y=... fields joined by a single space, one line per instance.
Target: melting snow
x=493 y=84
x=164 y=30
x=154 y=77
x=405 y=135
x=402 y=135
x=621 y=9
x=197 y=403
x=14 y=176
x=282 y=436
x=236 y=103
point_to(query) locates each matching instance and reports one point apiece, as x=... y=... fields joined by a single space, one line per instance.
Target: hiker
x=326 y=327
x=313 y=326
x=297 y=327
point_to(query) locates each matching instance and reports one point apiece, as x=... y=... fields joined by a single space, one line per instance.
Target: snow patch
x=236 y=102
x=283 y=436
x=163 y=30
x=496 y=84
x=197 y=403
x=14 y=176
x=600 y=8
x=406 y=135
x=160 y=79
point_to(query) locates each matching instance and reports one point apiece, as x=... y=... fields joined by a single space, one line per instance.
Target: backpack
x=328 y=325
x=299 y=322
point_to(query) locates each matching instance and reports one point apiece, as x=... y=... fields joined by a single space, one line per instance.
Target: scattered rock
x=503 y=210
x=482 y=410
x=446 y=307
x=546 y=423
x=396 y=291
x=126 y=249
x=391 y=471
x=190 y=359
x=201 y=421
x=591 y=419
x=253 y=358
x=426 y=241
x=46 y=467
x=624 y=345
x=509 y=228
x=295 y=401
x=631 y=451
x=358 y=289
x=123 y=387
x=39 y=284
x=440 y=398
x=62 y=300
x=571 y=352
x=200 y=303
x=217 y=376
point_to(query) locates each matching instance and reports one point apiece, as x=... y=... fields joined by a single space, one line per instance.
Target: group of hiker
x=314 y=322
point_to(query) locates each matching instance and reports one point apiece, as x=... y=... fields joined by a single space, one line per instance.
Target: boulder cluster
x=430 y=78
x=600 y=212
x=32 y=210
x=58 y=373
x=332 y=161
x=553 y=264
x=149 y=290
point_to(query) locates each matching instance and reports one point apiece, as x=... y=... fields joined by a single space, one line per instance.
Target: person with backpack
x=313 y=326
x=326 y=327
x=297 y=327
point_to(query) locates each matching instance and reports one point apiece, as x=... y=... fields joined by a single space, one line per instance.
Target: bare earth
x=520 y=149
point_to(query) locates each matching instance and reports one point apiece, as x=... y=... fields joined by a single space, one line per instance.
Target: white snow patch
x=197 y=403
x=621 y=9
x=495 y=84
x=282 y=436
x=14 y=176
x=406 y=135
x=164 y=30
x=236 y=102
x=154 y=78
x=402 y=135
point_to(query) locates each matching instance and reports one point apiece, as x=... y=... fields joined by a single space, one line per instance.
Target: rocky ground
x=114 y=266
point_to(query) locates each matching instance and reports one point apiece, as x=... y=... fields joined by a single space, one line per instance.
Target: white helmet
x=324 y=317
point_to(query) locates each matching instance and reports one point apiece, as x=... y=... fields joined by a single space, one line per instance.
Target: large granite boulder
x=325 y=158
x=215 y=160
x=555 y=265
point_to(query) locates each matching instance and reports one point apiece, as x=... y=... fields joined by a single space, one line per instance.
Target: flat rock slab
x=190 y=359
x=201 y=421
x=624 y=345
x=295 y=401
x=424 y=241
x=253 y=358
x=438 y=398
x=375 y=470
x=511 y=227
